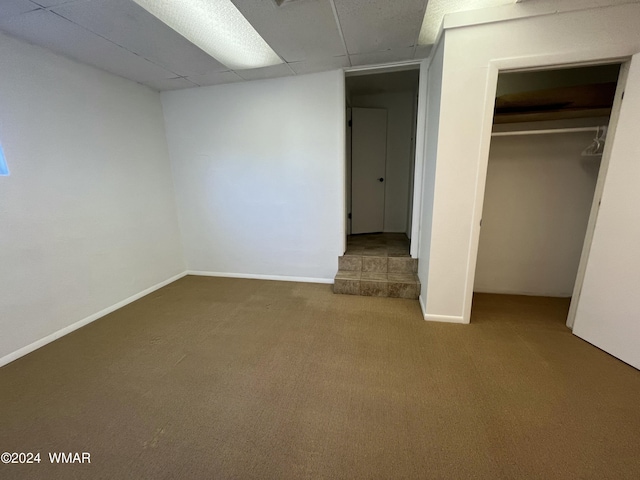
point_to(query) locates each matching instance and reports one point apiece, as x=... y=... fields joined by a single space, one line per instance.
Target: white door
x=608 y=311
x=368 y=162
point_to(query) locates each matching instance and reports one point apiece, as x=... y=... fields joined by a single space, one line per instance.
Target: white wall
x=400 y=108
x=87 y=215
x=434 y=92
x=473 y=56
x=537 y=202
x=259 y=173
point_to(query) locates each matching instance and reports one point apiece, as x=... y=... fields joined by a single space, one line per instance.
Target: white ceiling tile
x=132 y=27
x=51 y=3
x=215 y=78
x=388 y=56
x=319 y=65
x=9 y=8
x=54 y=32
x=422 y=51
x=301 y=30
x=170 y=84
x=374 y=25
x=281 y=70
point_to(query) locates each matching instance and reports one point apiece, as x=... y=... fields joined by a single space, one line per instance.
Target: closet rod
x=543 y=132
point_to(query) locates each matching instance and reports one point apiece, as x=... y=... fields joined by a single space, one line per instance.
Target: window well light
x=4 y=170
x=218 y=28
x=437 y=9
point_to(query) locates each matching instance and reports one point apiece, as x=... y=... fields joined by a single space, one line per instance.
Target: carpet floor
x=218 y=378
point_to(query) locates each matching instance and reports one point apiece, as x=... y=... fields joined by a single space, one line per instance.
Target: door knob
x=381 y=179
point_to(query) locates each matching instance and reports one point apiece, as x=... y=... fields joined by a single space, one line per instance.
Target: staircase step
x=377 y=264
x=377 y=284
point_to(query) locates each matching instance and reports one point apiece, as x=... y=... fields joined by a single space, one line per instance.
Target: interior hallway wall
x=400 y=108
x=259 y=173
x=87 y=215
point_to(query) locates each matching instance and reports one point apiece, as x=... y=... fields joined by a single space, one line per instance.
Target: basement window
x=4 y=170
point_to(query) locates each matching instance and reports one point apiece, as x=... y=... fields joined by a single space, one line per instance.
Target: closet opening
x=544 y=178
x=381 y=110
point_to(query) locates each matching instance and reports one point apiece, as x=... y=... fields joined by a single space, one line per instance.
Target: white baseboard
x=21 y=352
x=439 y=318
x=256 y=276
x=444 y=318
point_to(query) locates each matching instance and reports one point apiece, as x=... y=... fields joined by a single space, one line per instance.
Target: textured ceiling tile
x=59 y=35
x=267 y=72
x=51 y=3
x=215 y=78
x=170 y=84
x=388 y=56
x=319 y=65
x=129 y=25
x=305 y=29
x=373 y=25
x=9 y=8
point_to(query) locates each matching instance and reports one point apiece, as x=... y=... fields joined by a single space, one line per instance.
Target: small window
x=4 y=170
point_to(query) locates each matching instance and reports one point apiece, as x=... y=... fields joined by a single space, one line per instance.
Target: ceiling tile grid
x=128 y=25
x=376 y=25
x=122 y=38
x=51 y=31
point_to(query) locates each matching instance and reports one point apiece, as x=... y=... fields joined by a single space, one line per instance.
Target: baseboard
x=256 y=276
x=444 y=318
x=21 y=352
x=438 y=318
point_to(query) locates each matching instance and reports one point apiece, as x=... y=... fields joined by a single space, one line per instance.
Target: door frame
x=421 y=124
x=523 y=64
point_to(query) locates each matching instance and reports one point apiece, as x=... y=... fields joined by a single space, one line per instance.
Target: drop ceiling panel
x=275 y=71
x=215 y=78
x=51 y=3
x=130 y=26
x=62 y=36
x=305 y=29
x=388 y=56
x=375 y=25
x=9 y=8
x=319 y=65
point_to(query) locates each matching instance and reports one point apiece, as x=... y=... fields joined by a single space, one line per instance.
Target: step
x=376 y=284
x=377 y=264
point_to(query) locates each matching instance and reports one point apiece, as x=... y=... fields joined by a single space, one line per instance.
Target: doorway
x=381 y=109
x=549 y=134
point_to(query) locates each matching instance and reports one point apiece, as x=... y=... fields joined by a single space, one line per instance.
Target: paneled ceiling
x=309 y=35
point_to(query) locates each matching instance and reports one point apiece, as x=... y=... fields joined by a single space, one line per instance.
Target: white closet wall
x=536 y=208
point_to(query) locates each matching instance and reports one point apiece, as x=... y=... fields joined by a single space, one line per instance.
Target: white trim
x=256 y=276
x=423 y=306
x=383 y=67
x=419 y=159
x=445 y=319
x=21 y=352
x=438 y=318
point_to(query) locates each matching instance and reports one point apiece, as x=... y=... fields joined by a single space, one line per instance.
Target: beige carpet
x=228 y=378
